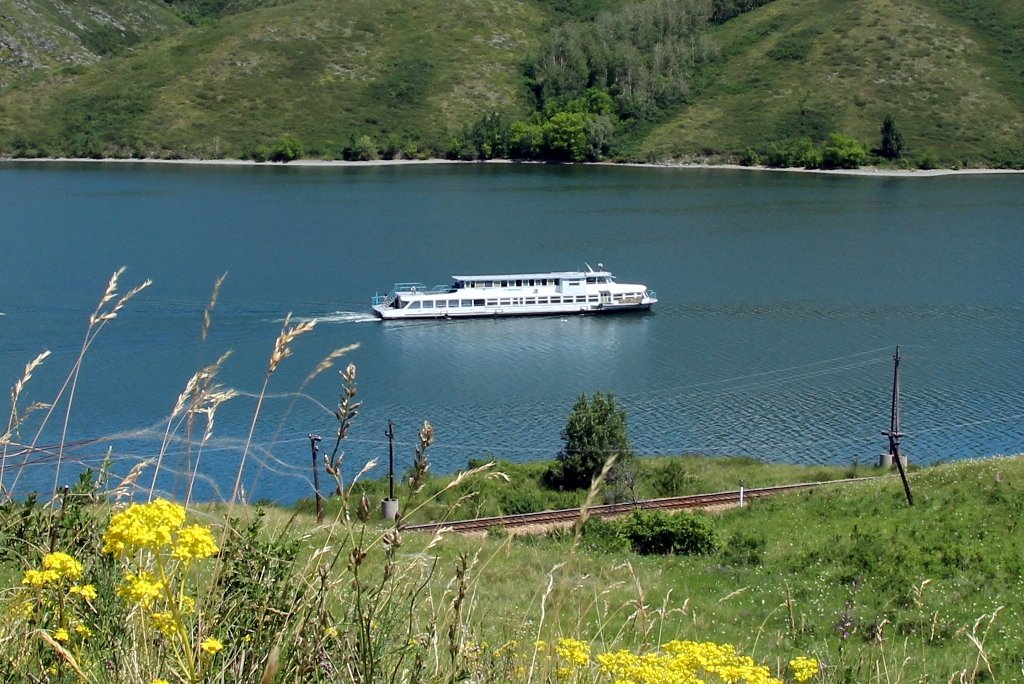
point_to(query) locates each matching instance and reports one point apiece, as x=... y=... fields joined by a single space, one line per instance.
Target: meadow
x=105 y=581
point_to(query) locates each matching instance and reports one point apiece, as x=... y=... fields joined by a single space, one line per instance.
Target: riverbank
x=872 y=171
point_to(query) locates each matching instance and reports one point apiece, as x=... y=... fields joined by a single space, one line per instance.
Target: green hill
x=42 y=35
x=409 y=77
x=952 y=76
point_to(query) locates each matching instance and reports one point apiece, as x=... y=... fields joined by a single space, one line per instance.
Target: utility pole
x=389 y=506
x=894 y=433
x=314 y=440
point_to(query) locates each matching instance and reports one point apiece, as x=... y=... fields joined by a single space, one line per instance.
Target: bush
x=656 y=532
x=605 y=536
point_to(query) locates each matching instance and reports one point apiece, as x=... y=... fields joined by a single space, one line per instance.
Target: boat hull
x=385 y=313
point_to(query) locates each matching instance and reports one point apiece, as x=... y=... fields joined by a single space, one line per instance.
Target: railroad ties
x=566 y=517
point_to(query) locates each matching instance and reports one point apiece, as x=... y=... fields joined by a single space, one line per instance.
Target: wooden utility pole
x=314 y=440
x=894 y=433
x=390 y=434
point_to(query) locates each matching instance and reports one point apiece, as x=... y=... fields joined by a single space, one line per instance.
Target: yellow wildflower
x=573 y=651
x=83 y=631
x=141 y=589
x=164 y=622
x=804 y=668
x=64 y=565
x=39 y=579
x=195 y=542
x=86 y=591
x=211 y=645
x=60 y=634
x=142 y=526
x=160 y=681
x=331 y=631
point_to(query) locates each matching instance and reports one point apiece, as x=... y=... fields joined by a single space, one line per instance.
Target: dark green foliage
x=287 y=149
x=892 y=139
x=360 y=148
x=745 y=548
x=254 y=588
x=673 y=479
x=843 y=152
x=838 y=152
x=642 y=55
x=724 y=10
x=595 y=432
x=658 y=533
x=604 y=536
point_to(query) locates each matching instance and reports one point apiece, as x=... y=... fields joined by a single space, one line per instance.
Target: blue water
x=782 y=299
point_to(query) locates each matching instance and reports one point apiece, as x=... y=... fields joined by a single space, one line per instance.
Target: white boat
x=518 y=294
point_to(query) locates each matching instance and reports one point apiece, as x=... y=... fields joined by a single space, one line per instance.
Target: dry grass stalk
x=201 y=397
x=15 y=420
x=595 y=489
x=282 y=350
x=329 y=360
x=208 y=313
x=97 y=321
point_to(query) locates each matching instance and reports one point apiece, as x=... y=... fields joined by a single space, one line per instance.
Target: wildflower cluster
x=678 y=662
x=804 y=668
x=158 y=550
x=55 y=602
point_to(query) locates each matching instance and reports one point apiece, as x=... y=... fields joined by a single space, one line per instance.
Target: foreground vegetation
x=840 y=584
x=874 y=591
x=780 y=82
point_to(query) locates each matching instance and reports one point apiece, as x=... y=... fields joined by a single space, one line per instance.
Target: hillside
x=38 y=36
x=407 y=77
x=952 y=78
x=306 y=69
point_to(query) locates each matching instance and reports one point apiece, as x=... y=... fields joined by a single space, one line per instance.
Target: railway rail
x=569 y=515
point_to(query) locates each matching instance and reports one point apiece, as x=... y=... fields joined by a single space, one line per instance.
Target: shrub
x=656 y=532
x=605 y=536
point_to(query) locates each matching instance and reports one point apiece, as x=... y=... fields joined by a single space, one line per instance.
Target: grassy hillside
x=951 y=77
x=411 y=75
x=42 y=35
x=313 y=70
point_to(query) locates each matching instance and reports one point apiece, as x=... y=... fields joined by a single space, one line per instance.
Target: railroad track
x=569 y=515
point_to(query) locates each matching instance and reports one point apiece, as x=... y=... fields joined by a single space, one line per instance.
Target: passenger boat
x=519 y=294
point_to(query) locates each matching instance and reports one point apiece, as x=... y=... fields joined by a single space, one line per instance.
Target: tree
x=892 y=139
x=596 y=431
x=843 y=152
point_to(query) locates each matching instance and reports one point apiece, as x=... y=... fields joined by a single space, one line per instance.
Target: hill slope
x=313 y=69
x=40 y=35
x=951 y=78
x=411 y=74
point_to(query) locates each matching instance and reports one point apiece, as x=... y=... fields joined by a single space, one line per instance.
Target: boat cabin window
x=441 y=304
x=478 y=302
x=492 y=302
x=427 y=304
x=413 y=305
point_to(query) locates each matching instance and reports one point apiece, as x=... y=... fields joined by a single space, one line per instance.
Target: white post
x=741 y=493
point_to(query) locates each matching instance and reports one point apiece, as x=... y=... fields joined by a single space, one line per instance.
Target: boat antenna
x=589 y=270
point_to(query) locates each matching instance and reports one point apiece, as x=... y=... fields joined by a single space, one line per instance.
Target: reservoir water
x=782 y=299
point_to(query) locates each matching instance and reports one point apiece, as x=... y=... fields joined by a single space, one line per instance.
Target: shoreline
x=869 y=171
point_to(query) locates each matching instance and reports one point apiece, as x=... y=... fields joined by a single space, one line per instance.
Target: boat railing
x=408 y=288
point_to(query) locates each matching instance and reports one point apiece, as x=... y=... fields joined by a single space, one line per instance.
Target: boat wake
x=347 y=317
